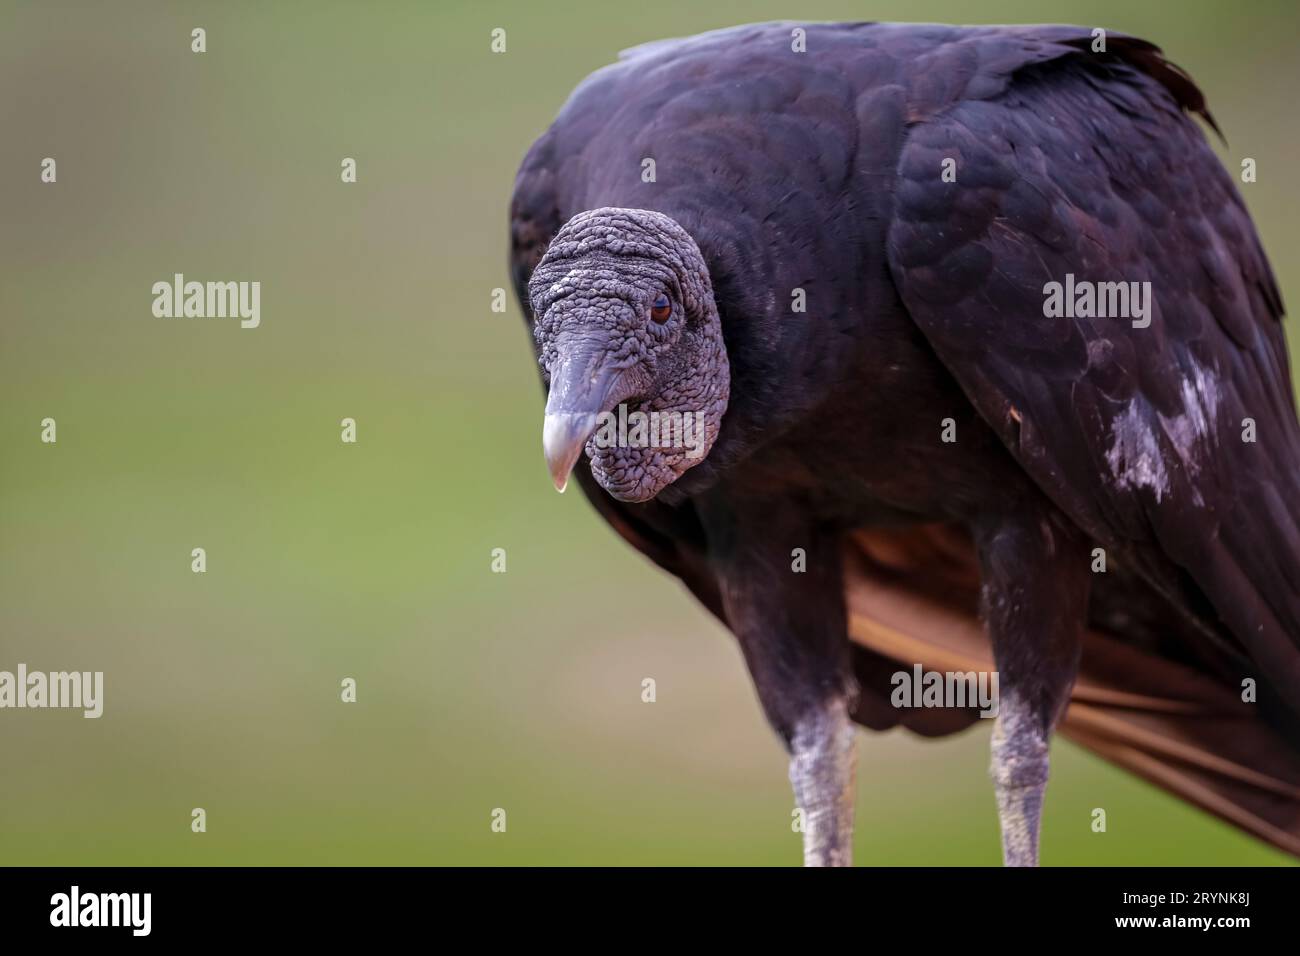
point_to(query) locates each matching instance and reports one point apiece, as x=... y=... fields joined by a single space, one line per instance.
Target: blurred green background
x=325 y=560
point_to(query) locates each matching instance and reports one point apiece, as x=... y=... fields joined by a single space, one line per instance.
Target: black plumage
x=821 y=171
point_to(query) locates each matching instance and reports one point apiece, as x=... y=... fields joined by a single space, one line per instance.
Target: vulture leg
x=1035 y=579
x=782 y=589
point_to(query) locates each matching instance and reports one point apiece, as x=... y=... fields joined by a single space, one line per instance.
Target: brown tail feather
x=1160 y=719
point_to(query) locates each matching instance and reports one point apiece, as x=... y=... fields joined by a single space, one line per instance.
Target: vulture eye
x=661 y=309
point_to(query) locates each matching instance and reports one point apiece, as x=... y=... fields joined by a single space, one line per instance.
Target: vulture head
x=630 y=339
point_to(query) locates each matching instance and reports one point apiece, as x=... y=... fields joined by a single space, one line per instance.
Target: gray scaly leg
x=1035 y=580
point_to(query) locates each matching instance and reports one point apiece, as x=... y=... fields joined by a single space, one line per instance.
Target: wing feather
x=1082 y=172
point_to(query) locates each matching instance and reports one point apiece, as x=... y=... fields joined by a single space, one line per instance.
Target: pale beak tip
x=563 y=436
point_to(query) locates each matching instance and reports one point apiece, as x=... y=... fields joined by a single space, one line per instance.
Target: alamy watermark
x=75 y=908
x=1098 y=300
x=961 y=689
x=179 y=299
x=668 y=430
x=82 y=690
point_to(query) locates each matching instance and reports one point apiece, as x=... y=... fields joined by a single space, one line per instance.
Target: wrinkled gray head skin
x=593 y=296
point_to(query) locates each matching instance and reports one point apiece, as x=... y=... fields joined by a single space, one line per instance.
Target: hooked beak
x=578 y=396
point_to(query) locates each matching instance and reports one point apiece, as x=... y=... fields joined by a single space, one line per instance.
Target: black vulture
x=968 y=356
